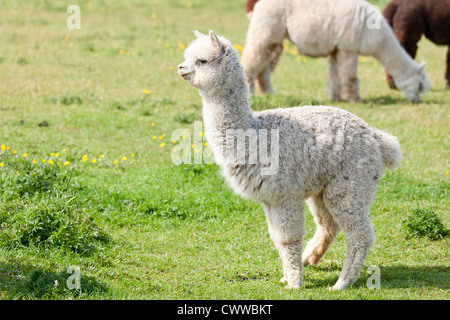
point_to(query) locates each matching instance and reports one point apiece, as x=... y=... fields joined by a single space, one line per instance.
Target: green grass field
x=87 y=180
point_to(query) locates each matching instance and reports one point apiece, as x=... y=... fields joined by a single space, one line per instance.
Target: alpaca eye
x=201 y=61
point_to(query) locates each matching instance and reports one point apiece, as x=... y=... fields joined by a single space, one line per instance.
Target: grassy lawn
x=87 y=180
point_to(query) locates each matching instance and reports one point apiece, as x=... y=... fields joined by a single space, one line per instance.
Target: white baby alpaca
x=326 y=155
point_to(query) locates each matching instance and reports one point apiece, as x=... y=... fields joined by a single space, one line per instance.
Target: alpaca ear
x=422 y=65
x=216 y=42
x=198 y=34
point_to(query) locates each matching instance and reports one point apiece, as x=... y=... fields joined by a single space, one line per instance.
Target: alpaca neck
x=227 y=107
x=395 y=59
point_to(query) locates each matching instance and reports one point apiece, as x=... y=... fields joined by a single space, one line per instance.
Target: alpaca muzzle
x=184 y=72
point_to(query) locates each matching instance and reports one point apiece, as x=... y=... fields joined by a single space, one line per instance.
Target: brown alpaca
x=249 y=5
x=410 y=19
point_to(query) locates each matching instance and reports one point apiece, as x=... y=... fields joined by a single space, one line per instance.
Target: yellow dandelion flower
x=154 y=137
x=152 y=124
x=66 y=163
x=132 y=154
x=200 y=134
x=102 y=155
x=57 y=154
x=34 y=161
x=50 y=161
x=2 y=164
x=193 y=145
x=145 y=91
x=182 y=46
x=124 y=158
x=24 y=155
x=70 y=44
x=206 y=144
x=52 y=154
x=161 y=137
x=116 y=162
x=446 y=172
x=43 y=160
x=15 y=151
x=173 y=141
x=3 y=147
x=7 y=148
x=162 y=144
x=64 y=150
x=238 y=47
x=121 y=51
x=171 y=68
x=196 y=150
x=94 y=160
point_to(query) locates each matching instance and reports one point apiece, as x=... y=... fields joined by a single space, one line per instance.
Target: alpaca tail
x=389 y=12
x=390 y=149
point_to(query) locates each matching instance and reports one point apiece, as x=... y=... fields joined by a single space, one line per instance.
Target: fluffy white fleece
x=340 y=29
x=326 y=155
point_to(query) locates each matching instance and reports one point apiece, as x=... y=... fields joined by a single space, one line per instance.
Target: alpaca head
x=415 y=85
x=210 y=62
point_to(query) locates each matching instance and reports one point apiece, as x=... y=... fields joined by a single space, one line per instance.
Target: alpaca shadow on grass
x=19 y=280
x=392 y=277
x=388 y=100
x=384 y=100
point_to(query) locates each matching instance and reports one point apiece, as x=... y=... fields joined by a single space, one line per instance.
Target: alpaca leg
x=447 y=71
x=285 y=221
x=265 y=33
x=264 y=78
x=360 y=236
x=350 y=206
x=390 y=81
x=333 y=87
x=347 y=64
x=327 y=229
x=257 y=64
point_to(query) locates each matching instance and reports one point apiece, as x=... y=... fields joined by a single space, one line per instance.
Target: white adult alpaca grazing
x=340 y=29
x=325 y=154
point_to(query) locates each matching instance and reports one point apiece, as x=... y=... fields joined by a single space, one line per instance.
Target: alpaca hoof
x=335 y=98
x=292 y=287
x=355 y=100
x=339 y=286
